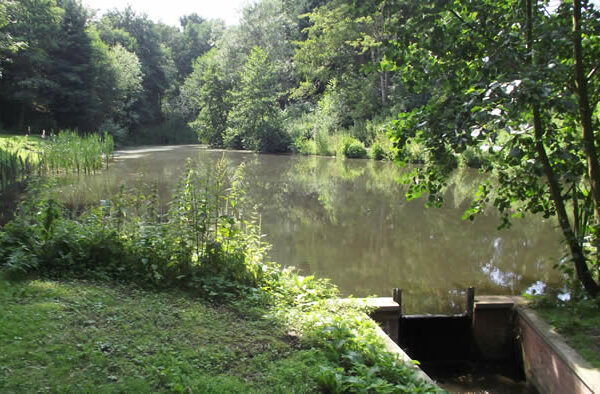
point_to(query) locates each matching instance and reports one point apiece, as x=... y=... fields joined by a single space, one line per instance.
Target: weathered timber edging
x=550 y=364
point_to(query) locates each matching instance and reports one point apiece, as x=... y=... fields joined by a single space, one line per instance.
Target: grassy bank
x=28 y=148
x=92 y=337
x=579 y=323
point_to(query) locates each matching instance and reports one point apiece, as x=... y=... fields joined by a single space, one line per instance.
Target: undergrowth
x=207 y=244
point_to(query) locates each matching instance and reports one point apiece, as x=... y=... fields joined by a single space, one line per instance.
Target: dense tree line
x=64 y=68
x=290 y=72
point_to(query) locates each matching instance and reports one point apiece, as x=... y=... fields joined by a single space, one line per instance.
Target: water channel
x=348 y=220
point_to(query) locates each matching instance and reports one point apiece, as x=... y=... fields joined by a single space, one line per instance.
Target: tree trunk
x=581 y=268
x=374 y=60
x=383 y=87
x=577 y=254
x=585 y=110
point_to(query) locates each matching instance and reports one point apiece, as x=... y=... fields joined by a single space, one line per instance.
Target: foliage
x=496 y=78
x=127 y=76
x=13 y=167
x=255 y=119
x=69 y=152
x=352 y=148
x=8 y=44
x=171 y=131
x=62 y=69
x=207 y=88
x=197 y=245
x=381 y=149
x=71 y=69
x=21 y=156
x=358 y=357
x=26 y=76
x=306 y=146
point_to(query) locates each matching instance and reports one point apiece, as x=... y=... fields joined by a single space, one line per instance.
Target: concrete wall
x=504 y=329
x=494 y=329
x=550 y=364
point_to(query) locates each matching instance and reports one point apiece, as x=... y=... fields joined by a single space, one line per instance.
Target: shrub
x=381 y=149
x=378 y=152
x=202 y=242
x=352 y=148
x=306 y=146
x=174 y=130
x=325 y=143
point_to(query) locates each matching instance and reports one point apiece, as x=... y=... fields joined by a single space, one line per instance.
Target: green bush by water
x=352 y=148
x=13 y=168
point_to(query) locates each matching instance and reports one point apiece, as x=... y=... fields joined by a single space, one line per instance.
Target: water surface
x=348 y=220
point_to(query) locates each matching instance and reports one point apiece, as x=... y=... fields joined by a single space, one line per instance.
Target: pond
x=348 y=220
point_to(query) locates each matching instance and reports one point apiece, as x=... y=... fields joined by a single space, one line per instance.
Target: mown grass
x=579 y=324
x=79 y=336
x=28 y=148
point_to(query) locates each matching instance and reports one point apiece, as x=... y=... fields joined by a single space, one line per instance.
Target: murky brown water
x=348 y=220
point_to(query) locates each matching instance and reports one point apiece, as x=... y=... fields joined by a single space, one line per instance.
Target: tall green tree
x=26 y=83
x=345 y=47
x=72 y=70
x=8 y=44
x=207 y=90
x=509 y=78
x=254 y=121
x=156 y=59
x=198 y=37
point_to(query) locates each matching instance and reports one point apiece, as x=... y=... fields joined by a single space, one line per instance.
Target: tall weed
x=13 y=168
x=69 y=152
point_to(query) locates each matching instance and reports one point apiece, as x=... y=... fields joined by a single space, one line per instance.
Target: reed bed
x=68 y=152
x=65 y=152
x=13 y=167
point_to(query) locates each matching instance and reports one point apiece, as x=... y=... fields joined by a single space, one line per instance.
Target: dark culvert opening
x=471 y=352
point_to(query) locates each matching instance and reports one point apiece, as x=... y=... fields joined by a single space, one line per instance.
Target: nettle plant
x=203 y=239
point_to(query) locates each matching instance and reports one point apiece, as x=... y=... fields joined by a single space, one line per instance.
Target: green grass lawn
x=579 y=324
x=80 y=336
x=26 y=147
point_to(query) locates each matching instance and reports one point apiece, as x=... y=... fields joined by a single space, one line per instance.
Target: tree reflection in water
x=349 y=220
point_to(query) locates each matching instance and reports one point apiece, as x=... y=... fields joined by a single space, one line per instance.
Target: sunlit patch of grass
x=82 y=336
